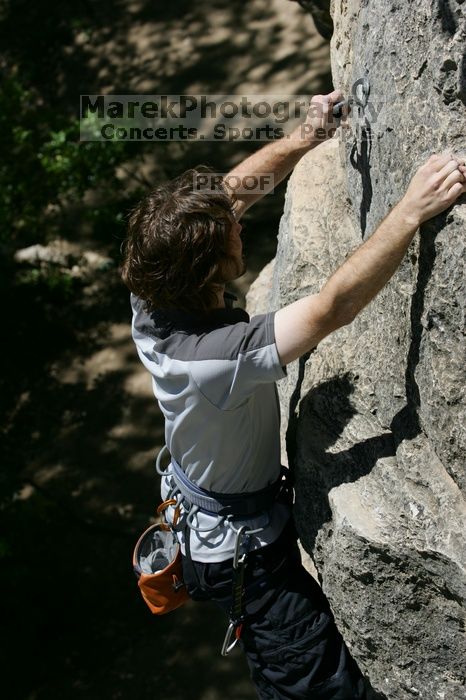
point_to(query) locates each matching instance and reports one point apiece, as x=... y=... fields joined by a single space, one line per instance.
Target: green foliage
x=46 y=172
x=58 y=281
x=44 y=166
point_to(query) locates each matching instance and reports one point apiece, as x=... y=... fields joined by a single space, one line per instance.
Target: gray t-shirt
x=214 y=379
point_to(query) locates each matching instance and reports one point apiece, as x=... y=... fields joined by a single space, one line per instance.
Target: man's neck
x=220 y=300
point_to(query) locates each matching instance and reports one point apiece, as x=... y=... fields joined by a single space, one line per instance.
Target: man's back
x=214 y=378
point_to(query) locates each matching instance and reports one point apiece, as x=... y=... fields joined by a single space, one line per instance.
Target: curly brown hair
x=178 y=244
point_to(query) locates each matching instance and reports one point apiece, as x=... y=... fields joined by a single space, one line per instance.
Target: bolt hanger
x=360 y=96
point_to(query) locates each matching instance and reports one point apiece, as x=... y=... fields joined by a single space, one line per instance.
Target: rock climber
x=214 y=371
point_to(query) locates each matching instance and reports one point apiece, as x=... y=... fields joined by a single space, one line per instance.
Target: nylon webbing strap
x=236 y=504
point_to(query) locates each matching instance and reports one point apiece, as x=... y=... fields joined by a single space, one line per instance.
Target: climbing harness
x=188 y=499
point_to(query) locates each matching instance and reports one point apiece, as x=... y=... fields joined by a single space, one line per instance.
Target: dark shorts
x=290 y=639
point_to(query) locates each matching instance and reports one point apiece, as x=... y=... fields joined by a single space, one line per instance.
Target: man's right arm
x=302 y=325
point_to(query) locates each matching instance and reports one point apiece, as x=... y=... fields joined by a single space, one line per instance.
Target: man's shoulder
x=192 y=336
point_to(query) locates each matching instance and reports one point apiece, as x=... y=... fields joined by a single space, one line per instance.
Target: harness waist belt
x=234 y=504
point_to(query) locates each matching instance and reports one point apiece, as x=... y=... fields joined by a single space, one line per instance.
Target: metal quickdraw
x=239 y=566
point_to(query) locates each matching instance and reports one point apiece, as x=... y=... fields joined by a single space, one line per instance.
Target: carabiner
x=228 y=645
x=237 y=559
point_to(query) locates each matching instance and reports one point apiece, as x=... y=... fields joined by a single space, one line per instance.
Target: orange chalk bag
x=157 y=565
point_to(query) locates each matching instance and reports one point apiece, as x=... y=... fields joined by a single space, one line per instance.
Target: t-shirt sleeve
x=238 y=357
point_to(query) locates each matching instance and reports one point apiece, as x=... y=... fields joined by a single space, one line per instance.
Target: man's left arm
x=280 y=157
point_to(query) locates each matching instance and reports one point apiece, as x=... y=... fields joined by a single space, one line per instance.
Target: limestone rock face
x=375 y=417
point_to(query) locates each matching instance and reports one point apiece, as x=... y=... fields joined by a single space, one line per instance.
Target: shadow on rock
x=323 y=417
